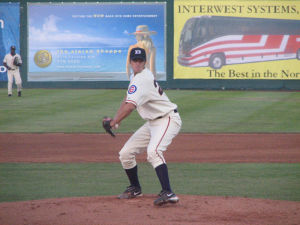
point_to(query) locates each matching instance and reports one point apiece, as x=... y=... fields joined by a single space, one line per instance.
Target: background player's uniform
x=13 y=73
x=163 y=121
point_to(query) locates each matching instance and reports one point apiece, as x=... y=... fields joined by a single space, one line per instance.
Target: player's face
x=12 y=51
x=137 y=65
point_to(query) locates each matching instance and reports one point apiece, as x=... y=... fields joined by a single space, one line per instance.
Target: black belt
x=175 y=111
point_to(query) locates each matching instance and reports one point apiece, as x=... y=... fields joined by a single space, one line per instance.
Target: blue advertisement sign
x=90 y=41
x=9 y=32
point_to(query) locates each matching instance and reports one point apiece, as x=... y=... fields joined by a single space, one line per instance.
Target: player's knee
x=155 y=158
x=127 y=163
x=123 y=154
x=127 y=160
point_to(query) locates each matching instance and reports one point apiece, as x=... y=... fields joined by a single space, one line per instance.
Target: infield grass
x=23 y=181
x=69 y=110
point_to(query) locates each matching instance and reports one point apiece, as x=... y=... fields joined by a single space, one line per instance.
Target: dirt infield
x=220 y=148
x=197 y=148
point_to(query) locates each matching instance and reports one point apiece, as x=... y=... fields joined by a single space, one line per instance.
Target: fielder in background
x=163 y=124
x=12 y=61
x=142 y=35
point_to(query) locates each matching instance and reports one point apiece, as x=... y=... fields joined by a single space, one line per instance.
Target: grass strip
x=80 y=110
x=26 y=181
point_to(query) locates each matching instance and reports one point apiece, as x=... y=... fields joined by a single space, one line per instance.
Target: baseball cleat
x=131 y=192
x=166 y=197
x=19 y=93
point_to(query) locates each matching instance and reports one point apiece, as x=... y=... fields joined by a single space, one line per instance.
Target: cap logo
x=138 y=53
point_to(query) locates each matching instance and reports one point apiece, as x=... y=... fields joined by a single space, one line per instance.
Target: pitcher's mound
x=110 y=210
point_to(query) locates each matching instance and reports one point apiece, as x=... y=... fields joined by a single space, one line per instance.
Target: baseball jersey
x=9 y=60
x=148 y=97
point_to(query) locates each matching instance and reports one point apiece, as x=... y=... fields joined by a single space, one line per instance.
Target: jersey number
x=160 y=90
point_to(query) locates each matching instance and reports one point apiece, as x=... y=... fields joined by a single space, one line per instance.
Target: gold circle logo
x=43 y=58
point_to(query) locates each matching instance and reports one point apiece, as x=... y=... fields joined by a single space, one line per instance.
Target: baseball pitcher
x=162 y=125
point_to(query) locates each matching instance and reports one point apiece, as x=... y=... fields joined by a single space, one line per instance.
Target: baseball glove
x=16 y=61
x=107 y=127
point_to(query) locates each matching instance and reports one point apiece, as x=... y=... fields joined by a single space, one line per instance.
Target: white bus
x=219 y=40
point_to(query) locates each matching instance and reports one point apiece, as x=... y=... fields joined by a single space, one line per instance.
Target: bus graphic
x=219 y=40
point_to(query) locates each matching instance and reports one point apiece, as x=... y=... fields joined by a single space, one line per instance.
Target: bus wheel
x=298 y=54
x=216 y=61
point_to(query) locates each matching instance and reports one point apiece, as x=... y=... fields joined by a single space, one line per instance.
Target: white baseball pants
x=154 y=136
x=11 y=74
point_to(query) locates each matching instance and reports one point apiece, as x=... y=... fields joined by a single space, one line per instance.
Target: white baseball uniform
x=13 y=73
x=163 y=121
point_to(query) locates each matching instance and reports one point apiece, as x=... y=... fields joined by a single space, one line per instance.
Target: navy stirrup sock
x=133 y=176
x=163 y=176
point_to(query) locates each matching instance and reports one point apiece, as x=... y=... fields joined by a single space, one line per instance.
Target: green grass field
x=25 y=181
x=68 y=110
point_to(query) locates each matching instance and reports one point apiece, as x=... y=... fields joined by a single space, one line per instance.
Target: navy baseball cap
x=138 y=53
x=13 y=47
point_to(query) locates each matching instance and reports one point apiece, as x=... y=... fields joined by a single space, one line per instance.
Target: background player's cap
x=138 y=53
x=13 y=47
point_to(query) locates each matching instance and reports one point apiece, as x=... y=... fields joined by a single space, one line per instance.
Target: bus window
x=199 y=34
x=187 y=35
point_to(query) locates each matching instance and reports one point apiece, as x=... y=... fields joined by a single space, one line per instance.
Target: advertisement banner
x=236 y=39
x=90 y=41
x=9 y=32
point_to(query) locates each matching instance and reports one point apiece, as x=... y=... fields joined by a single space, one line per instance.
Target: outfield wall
x=79 y=44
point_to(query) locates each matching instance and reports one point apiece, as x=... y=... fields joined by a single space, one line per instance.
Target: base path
x=221 y=148
x=108 y=210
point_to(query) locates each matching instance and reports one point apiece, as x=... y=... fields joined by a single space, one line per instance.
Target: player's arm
x=125 y=109
x=5 y=64
x=7 y=67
